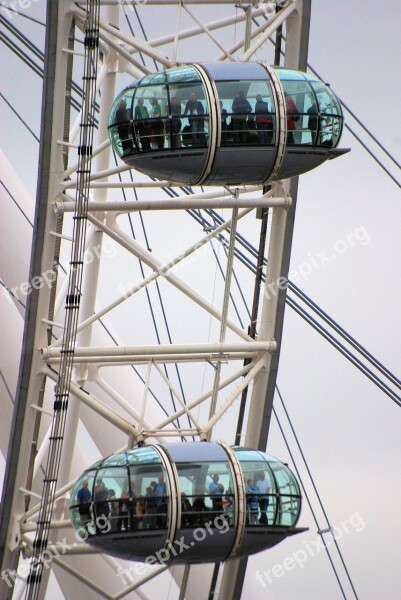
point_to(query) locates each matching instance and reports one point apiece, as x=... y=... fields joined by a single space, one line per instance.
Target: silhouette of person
x=123 y=117
x=161 y=493
x=263 y=487
x=84 y=498
x=252 y=502
x=224 y=124
x=151 y=508
x=216 y=490
x=240 y=109
x=175 y=108
x=102 y=508
x=142 y=124
x=124 y=509
x=157 y=123
x=313 y=121
x=196 y=120
x=264 y=121
x=113 y=504
x=291 y=118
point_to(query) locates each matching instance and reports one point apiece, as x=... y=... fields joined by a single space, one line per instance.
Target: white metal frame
x=120 y=52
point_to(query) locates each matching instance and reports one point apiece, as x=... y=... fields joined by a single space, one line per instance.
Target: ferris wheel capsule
x=182 y=503
x=226 y=123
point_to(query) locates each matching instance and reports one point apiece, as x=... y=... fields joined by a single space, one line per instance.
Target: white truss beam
x=205 y=396
x=120 y=54
x=160 y=353
x=97 y=406
x=270 y=28
x=149 y=259
x=211 y=26
x=121 y=207
x=160 y=271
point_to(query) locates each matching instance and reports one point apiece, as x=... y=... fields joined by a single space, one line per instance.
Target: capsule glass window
x=206 y=492
x=188 y=108
x=81 y=502
x=288 y=495
x=195 y=116
x=150 y=115
x=184 y=74
x=330 y=123
x=259 y=506
x=120 y=129
x=150 y=488
x=301 y=105
x=247 y=112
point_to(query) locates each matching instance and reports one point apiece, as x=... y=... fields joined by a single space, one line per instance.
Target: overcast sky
x=349 y=210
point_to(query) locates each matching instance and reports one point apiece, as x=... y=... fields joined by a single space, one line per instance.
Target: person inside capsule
x=157 y=126
x=176 y=123
x=196 y=120
x=122 y=120
x=291 y=118
x=142 y=124
x=215 y=120
x=240 y=110
x=264 y=121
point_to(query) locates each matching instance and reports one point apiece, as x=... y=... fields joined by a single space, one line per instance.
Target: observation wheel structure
x=107 y=369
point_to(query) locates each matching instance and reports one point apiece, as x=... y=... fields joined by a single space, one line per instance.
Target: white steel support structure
x=272 y=317
x=110 y=409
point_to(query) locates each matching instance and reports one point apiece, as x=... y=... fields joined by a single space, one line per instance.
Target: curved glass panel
x=235 y=71
x=81 y=505
x=145 y=455
x=288 y=494
x=129 y=491
x=150 y=117
x=245 y=454
x=272 y=492
x=154 y=78
x=170 y=116
x=115 y=460
x=314 y=115
x=330 y=116
x=207 y=494
x=120 y=130
x=193 y=122
x=110 y=485
x=301 y=106
x=289 y=75
x=184 y=74
x=261 y=503
x=247 y=113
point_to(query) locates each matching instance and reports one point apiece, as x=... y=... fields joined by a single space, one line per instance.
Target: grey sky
x=348 y=429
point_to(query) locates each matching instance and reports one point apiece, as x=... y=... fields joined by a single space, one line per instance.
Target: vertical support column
x=297 y=39
x=296 y=57
x=30 y=389
x=267 y=330
x=93 y=249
